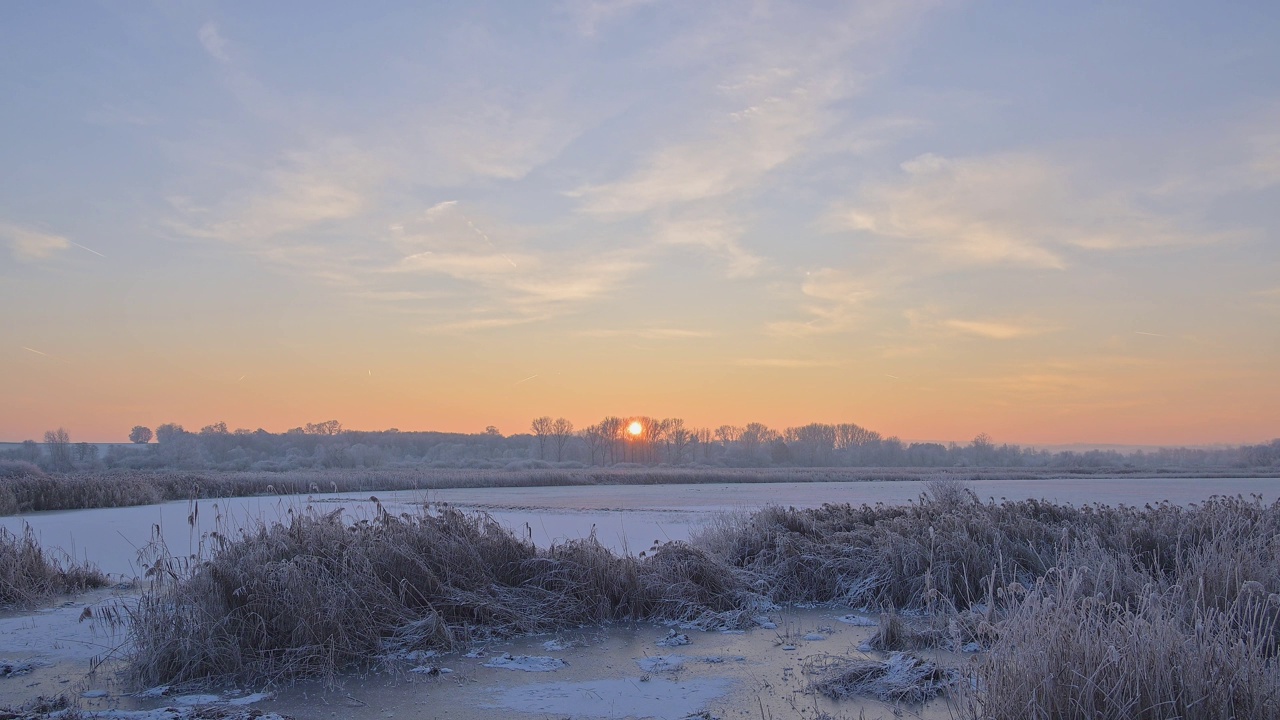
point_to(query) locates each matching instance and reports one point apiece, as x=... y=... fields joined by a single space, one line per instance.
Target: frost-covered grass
x=901 y=677
x=1081 y=612
x=317 y=595
x=29 y=575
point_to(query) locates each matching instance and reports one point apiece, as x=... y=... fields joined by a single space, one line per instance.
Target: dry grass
x=30 y=576
x=318 y=595
x=901 y=677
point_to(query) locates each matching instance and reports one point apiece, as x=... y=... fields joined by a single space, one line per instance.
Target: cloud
x=833 y=301
x=298 y=192
x=784 y=363
x=648 y=333
x=739 y=149
x=717 y=235
x=213 y=42
x=480 y=323
x=928 y=319
x=992 y=330
x=591 y=15
x=1017 y=210
x=31 y=245
x=446 y=241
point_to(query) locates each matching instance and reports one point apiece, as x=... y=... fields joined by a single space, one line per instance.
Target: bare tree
x=541 y=428
x=615 y=429
x=140 y=435
x=328 y=427
x=592 y=436
x=677 y=439
x=561 y=431
x=58 y=444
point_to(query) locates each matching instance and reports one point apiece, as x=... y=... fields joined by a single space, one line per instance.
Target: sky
x=1048 y=222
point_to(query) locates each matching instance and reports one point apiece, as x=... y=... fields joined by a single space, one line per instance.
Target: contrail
x=95 y=252
x=480 y=232
x=1139 y=332
x=24 y=347
x=525 y=380
x=895 y=377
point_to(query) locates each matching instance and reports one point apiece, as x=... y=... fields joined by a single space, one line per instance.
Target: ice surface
x=657 y=698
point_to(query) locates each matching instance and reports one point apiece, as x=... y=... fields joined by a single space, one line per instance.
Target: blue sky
x=1049 y=222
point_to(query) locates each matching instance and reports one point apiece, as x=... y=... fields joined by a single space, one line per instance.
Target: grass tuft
x=29 y=576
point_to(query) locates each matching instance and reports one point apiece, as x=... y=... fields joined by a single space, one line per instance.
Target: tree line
x=613 y=441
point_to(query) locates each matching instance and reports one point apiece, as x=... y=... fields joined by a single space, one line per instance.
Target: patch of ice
x=476 y=653
x=673 y=639
x=251 y=698
x=764 y=622
x=661 y=663
x=526 y=663
x=155 y=692
x=417 y=656
x=718 y=659
x=788 y=647
x=858 y=620
x=193 y=700
x=613 y=698
x=431 y=670
x=556 y=645
x=93 y=694
x=11 y=668
x=814 y=637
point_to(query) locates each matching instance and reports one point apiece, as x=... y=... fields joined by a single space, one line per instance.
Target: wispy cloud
x=784 y=363
x=832 y=300
x=29 y=245
x=718 y=235
x=648 y=333
x=213 y=42
x=992 y=330
x=591 y=15
x=934 y=322
x=1016 y=210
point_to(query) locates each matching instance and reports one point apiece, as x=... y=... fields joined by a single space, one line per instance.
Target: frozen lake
x=626 y=518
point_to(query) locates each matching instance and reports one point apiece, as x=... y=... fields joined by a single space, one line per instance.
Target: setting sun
x=635 y=428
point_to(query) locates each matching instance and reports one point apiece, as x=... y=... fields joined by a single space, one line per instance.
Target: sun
x=635 y=428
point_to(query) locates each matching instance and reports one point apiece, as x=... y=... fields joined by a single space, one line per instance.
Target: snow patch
x=526 y=663
x=662 y=663
x=12 y=668
x=858 y=620
x=673 y=639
